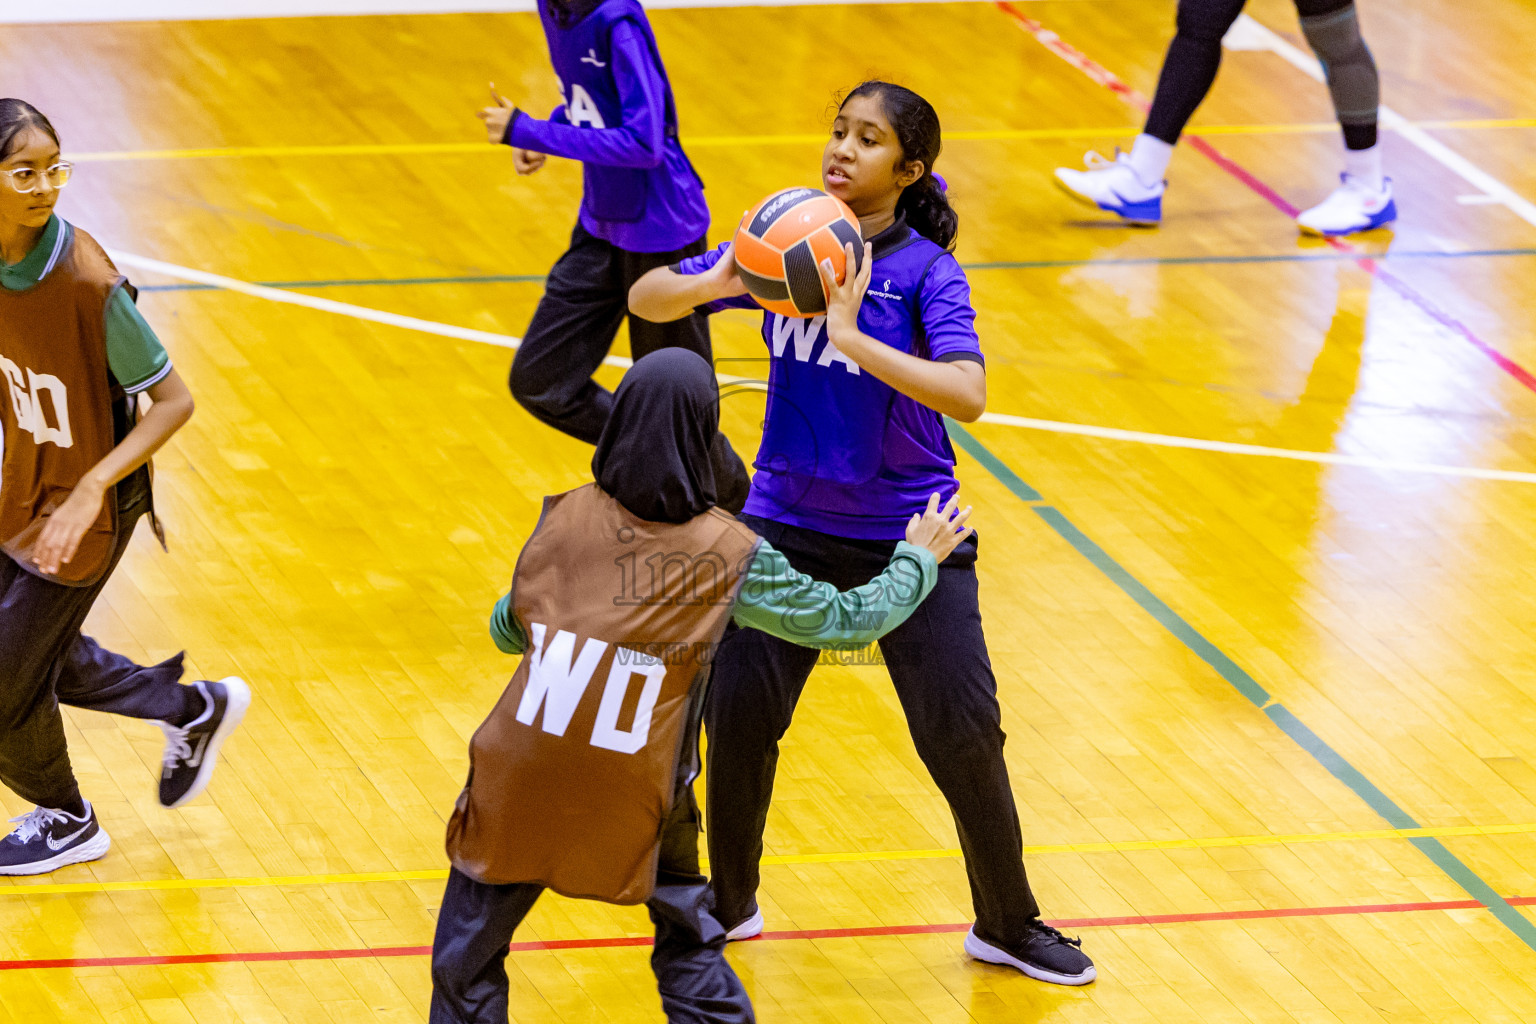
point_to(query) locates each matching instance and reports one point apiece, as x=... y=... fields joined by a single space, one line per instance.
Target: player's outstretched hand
x=940 y=531
x=497 y=117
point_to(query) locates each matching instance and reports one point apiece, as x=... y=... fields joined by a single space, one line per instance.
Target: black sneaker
x=1045 y=955
x=46 y=839
x=190 y=750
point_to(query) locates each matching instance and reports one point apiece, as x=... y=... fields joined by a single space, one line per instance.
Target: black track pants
x=938 y=663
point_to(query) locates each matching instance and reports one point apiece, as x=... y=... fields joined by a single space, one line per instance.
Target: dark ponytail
x=16 y=116
x=925 y=202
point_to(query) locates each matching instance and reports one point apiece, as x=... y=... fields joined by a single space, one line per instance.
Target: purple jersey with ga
x=640 y=192
x=844 y=453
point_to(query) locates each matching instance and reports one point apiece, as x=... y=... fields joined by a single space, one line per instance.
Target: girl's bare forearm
x=958 y=389
x=662 y=296
x=172 y=407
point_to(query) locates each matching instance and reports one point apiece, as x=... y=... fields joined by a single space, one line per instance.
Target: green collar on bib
x=35 y=265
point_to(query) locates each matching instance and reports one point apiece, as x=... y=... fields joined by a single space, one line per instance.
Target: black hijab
x=653 y=455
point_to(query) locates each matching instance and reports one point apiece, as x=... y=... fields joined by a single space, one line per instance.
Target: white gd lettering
x=581 y=110
x=558 y=678
x=804 y=333
x=27 y=392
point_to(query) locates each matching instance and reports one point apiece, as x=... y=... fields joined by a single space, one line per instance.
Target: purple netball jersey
x=842 y=452
x=641 y=194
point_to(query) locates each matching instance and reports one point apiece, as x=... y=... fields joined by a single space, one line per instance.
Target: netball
x=782 y=241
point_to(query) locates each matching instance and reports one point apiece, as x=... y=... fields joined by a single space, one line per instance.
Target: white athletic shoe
x=1353 y=206
x=751 y=928
x=1111 y=185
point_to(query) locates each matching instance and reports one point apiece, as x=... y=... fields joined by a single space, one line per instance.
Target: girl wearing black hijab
x=581 y=779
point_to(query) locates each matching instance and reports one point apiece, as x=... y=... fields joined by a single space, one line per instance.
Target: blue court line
x=1245 y=684
x=1134 y=261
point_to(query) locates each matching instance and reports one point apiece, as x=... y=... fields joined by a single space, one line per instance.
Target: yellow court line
x=715 y=141
x=173 y=884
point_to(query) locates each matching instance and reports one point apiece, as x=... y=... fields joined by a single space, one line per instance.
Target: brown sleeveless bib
x=57 y=405
x=575 y=770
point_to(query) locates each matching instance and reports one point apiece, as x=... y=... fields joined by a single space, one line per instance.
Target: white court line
x=1248 y=34
x=411 y=323
x=1230 y=448
x=199 y=10
x=377 y=316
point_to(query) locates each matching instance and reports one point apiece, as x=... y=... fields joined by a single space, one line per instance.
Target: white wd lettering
x=581 y=110
x=605 y=731
x=557 y=682
x=804 y=334
x=31 y=413
x=553 y=681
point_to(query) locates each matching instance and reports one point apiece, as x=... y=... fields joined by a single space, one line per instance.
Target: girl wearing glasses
x=74 y=356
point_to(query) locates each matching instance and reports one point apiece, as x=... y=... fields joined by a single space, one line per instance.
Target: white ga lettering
x=27 y=392
x=581 y=110
x=804 y=333
x=557 y=681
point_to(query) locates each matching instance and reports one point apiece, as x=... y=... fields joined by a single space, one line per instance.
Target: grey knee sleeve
x=1351 y=70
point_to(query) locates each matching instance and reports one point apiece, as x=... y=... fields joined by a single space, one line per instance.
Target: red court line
x=811 y=934
x=1109 y=80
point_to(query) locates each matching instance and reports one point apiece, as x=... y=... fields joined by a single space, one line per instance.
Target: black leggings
x=1195 y=54
x=939 y=666
x=586 y=298
x=469 y=952
x=45 y=661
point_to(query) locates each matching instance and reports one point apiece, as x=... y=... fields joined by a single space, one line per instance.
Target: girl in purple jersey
x=642 y=207
x=853 y=444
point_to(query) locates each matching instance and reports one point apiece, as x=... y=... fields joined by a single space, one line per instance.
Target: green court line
x=1132 y=261
x=1240 y=680
x=991 y=463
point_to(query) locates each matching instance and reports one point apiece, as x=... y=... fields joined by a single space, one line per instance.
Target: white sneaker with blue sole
x=1112 y=186
x=1351 y=208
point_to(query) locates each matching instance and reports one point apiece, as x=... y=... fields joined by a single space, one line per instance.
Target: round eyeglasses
x=30 y=179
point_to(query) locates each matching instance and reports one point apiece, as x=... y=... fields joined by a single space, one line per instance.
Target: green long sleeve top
x=792 y=606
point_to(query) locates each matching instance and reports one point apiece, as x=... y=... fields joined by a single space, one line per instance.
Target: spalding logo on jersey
x=27 y=398
x=804 y=332
x=558 y=678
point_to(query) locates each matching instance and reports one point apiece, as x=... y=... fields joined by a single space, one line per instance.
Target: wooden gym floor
x=1272 y=720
